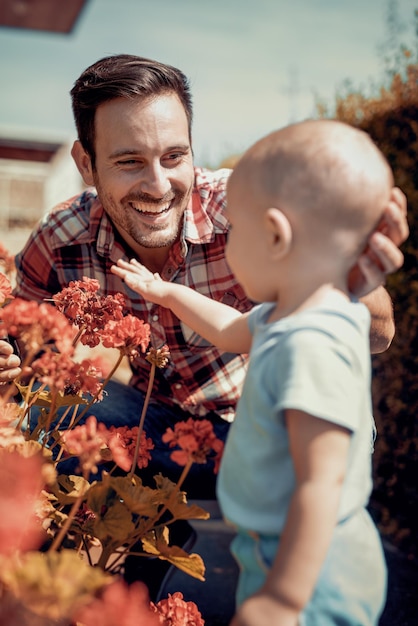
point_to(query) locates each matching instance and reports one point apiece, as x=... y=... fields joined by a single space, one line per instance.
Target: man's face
x=144 y=167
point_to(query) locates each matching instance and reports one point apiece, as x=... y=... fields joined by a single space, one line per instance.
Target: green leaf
x=69 y=488
x=157 y=545
x=113 y=518
x=139 y=499
x=46 y=399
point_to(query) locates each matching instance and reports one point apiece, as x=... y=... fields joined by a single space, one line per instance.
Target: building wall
x=29 y=188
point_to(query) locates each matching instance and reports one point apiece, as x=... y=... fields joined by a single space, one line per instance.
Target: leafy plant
x=391 y=118
x=64 y=538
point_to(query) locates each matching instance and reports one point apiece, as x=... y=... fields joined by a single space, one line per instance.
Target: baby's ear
x=279 y=233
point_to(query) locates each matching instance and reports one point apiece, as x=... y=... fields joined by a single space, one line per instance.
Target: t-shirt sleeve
x=324 y=377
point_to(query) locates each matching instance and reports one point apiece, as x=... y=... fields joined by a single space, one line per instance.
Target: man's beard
x=122 y=215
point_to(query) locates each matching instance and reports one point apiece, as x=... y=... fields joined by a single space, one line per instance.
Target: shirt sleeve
x=325 y=377
x=36 y=278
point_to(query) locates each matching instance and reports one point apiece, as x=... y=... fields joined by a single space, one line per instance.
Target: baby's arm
x=218 y=323
x=319 y=450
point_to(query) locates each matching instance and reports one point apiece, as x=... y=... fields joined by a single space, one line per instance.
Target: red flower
x=20 y=487
x=196 y=439
x=7 y=260
x=5 y=289
x=81 y=304
x=174 y=611
x=9 y=412
x=84 y=514
x=36 y=325
x=60 y=372
x=86 y=442
x=127 y=334
x=122 y=443
x=218 y=447
x=120 y=605
x=158 y=356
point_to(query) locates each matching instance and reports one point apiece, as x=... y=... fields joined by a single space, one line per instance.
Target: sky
x=253 y=65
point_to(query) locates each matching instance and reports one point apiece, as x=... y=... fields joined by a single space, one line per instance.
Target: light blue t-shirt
x=317 y=361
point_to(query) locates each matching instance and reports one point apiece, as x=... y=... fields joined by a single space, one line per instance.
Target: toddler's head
x=326 y=183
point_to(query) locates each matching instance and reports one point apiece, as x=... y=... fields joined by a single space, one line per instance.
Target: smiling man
x=142 y=171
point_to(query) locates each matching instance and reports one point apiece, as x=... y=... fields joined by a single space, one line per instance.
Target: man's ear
x=279 y=233
x=83 y=162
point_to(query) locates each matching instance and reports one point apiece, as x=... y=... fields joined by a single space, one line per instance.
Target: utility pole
x=292 y=91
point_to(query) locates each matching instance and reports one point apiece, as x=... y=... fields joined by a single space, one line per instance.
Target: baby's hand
x=264 y=610
x=150 y=286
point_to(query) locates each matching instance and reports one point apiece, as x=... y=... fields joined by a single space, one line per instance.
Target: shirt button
x=177 y=386
x=155 y=318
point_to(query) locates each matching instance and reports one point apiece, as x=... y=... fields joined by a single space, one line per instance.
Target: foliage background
x=390 y=116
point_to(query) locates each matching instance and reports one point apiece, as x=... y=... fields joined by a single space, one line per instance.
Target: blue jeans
x=122 y=406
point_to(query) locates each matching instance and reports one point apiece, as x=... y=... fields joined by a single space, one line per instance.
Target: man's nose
x=155 y=181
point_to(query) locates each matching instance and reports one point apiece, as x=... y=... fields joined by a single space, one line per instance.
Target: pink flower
x=120 y=605
x=196 y=439
x=9 y=412
x=20 y=487
x=60 y=372
x=87 y=310
x=36 y=325
x=122 y=443
x=7 y=260
x=86 y=442
x=127 y=334
x=174 y=611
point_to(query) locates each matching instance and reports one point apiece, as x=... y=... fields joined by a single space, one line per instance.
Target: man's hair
x=123 y=76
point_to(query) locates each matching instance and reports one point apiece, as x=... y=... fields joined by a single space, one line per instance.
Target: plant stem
x=142 y=419
x=173 y=494
x=63 y=531
x=106 y=380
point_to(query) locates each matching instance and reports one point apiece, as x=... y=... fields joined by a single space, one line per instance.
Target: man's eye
x=175 y=156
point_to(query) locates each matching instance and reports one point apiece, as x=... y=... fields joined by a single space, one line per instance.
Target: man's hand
x=382 y=255
x=9 y=364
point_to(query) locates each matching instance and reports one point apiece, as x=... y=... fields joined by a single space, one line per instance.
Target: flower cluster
x=7 y=261
x=64 y=537
x=87 y=310
x=37 y=325
x=174 y=610
x=196 y=441
x=122 y=442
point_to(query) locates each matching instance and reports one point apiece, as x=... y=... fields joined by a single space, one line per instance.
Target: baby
x=295 y=478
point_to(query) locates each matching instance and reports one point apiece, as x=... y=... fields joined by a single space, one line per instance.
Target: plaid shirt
x=77 y=239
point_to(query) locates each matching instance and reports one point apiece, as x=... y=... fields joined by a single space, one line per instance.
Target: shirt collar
x=101 y=229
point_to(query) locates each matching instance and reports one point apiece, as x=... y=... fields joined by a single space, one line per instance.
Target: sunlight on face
x=144 y=167
x=245 y=251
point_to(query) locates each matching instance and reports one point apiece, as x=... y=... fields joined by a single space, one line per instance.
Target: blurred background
x=254 y=65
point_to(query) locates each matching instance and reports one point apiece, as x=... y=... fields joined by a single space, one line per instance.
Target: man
x=134 y=119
